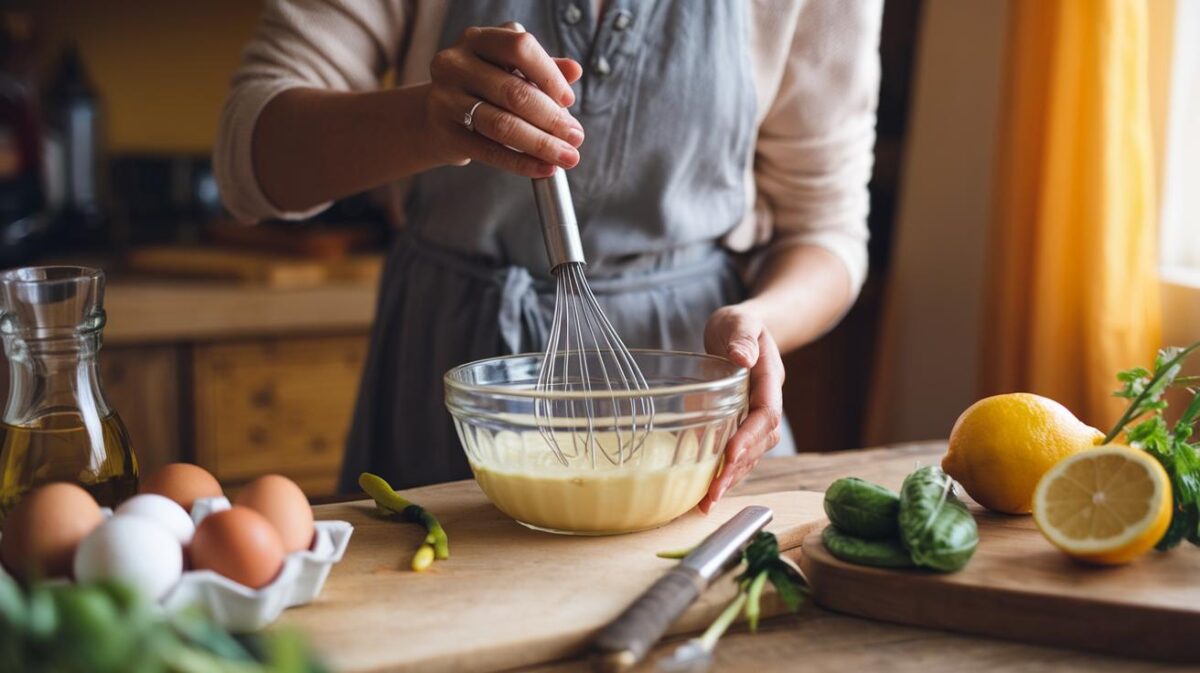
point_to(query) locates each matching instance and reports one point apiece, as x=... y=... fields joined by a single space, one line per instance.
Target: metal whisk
x=584 y=353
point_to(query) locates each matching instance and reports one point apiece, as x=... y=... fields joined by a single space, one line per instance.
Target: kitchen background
x=240 y=348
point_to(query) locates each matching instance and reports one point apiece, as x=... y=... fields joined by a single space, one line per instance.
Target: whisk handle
x=557 y=212
x=626 y=641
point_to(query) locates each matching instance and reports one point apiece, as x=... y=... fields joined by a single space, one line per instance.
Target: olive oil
x=62 y=447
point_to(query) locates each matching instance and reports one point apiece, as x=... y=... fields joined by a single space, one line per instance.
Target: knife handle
x=627 y=639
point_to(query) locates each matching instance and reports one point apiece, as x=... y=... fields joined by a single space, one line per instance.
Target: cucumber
x=863 y=509
x=856 y=550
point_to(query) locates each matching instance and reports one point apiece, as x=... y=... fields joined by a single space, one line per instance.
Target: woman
x=696 y=134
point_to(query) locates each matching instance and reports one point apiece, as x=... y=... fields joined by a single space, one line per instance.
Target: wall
x=163 y=67
x=930 y=353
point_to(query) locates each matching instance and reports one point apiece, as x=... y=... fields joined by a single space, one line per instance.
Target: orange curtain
x=1072 y=276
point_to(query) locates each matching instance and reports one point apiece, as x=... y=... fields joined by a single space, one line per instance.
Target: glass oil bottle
x=57 y=424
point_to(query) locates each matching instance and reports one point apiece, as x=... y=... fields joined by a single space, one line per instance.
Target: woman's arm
x=305 y=122
x=312 y=146
x=811 y=166
x=801 y=290
x=799 y=294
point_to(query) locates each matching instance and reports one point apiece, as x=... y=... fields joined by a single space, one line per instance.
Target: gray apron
x=667 y=102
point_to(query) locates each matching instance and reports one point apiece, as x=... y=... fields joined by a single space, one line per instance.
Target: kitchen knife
x=627 y=639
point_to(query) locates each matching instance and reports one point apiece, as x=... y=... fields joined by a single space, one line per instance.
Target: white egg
x=132 y=549
x=163 y=510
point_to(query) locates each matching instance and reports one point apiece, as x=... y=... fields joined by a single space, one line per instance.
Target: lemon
x=1108 y=505
x=1001 y=446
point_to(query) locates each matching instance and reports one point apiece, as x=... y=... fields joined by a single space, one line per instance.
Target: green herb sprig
x=1171 y=446
x=391 y=504
x=762 y=564
x=763 y=560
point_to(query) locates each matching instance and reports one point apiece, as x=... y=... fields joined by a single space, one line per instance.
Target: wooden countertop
x=157 y=311
x=819 y=641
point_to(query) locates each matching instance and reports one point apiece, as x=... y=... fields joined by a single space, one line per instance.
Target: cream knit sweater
x=816 y=71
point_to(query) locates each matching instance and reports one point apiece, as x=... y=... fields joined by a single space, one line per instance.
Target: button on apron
x=601 y=66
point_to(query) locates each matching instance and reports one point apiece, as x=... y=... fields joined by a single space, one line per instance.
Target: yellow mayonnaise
x=595 y=492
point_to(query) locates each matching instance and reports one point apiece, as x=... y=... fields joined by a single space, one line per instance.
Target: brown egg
x=239 y=544
x=282 y=502
x=183 y=483
x=43 y=530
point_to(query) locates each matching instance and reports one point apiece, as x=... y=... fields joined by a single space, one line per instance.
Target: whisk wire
x=589 y=320
x=643 y=403
x=580 y=332
x=593 y=322
x=588 y=441
x=585 y=354
x=542 y=406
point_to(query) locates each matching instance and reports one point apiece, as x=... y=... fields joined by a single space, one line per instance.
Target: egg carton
x=237 y=607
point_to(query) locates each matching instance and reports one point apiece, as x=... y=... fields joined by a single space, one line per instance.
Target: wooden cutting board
x=1019 y=587
x=507 y=596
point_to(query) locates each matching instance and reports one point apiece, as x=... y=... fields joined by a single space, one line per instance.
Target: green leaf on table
x=760 y=554
x=789 y=585
x=762 y=563
x=762 y=557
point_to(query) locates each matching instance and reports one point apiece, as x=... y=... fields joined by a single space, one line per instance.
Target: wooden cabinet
x=240 y=408
x=276 y=405
x=241 y=379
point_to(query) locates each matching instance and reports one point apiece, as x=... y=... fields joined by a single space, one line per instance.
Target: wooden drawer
x=276 y=405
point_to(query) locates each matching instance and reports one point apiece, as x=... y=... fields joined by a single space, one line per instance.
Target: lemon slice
x=1105 y=505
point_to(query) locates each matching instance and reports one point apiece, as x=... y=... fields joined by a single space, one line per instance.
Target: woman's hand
x=522 y=125
x=737 y=333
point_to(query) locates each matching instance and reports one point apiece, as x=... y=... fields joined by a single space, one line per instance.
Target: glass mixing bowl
x=617 y=486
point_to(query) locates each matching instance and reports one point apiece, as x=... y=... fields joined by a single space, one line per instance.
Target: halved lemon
x=1106 y=505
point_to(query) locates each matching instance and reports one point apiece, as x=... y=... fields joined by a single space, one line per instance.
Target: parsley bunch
x=1171 y=446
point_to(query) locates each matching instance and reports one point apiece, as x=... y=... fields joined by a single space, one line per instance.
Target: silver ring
x=468 y=119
